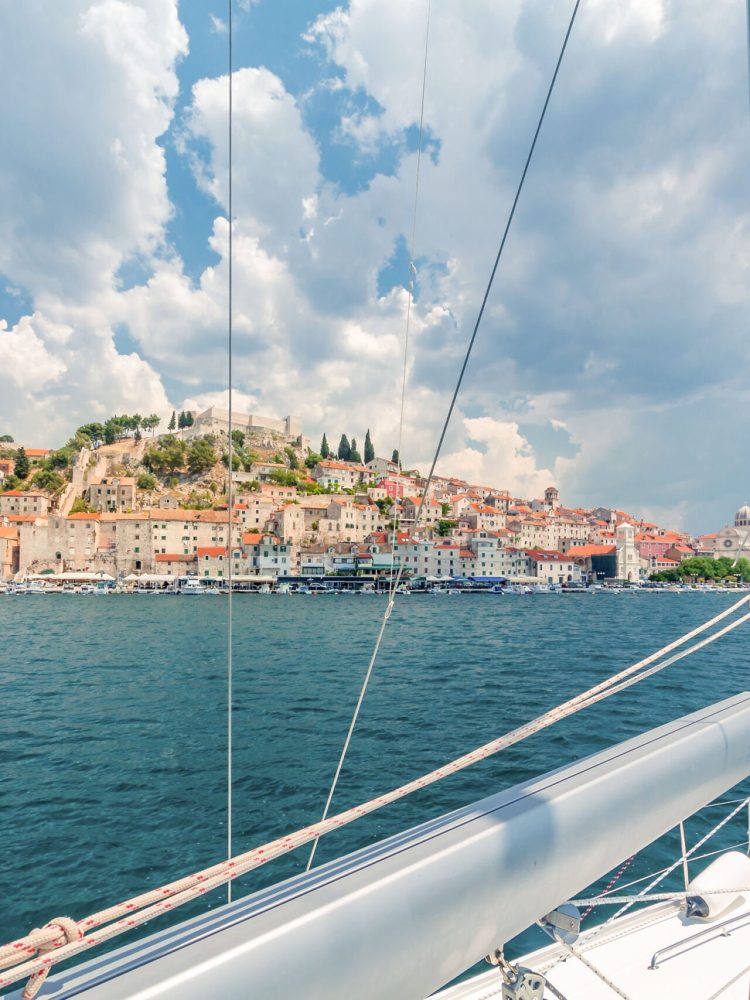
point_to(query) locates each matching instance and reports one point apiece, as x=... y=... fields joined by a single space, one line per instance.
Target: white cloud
x=504 y=458
x=625 y=282
x=83 y=187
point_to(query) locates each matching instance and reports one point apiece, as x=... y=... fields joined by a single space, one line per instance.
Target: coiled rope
x=31 y=950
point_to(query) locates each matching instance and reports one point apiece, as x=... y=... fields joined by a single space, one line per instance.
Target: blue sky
x=613 y=356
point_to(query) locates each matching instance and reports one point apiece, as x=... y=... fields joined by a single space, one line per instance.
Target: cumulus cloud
x=620 y=307
x=497 y=455
x=83 y=187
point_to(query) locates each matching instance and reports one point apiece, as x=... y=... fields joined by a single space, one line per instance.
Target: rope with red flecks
x=62 y=938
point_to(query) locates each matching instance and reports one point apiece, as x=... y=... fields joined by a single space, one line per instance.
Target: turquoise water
x=113 y=723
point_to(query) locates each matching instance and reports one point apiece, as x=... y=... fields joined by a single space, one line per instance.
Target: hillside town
x=124 y=505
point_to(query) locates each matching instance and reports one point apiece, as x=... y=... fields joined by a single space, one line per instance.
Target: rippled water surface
x=113 y=723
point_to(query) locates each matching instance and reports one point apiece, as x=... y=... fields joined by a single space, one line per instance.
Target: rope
x=391 y=584
x=572 y=950
x=230 y=451
x=123 y=916
x=603 y=898
x=610 y=885
x=597 y=972
x=725 y=987
x=678 y=862
x=657 y=897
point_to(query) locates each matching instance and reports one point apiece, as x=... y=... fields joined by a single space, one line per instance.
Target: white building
x=628 y=558
x=734 y=541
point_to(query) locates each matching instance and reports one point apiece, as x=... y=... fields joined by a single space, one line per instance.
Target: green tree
x=291 y=454
x=236 y=461
x=354 y=455
x=182 y=420
x=189 y=418
x=6 y=439
x=11 y=482
x=312 y=459
x=325 y=451
x=151 y=422
x=81 y=507
x=344 y=449
x=172 y=422
x=201 y=457
x=167 y=457
x=284 y=478
x=146 y=481
x=92 y=433
x=396 y=458
x=444 y=527
x=22 y=465
x=238 y=438
x=60 y=459
x=369 y=450
x=47 y=479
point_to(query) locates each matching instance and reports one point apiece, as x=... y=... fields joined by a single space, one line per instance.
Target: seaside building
x=8 y=552
x=628 y=560
x=112 y=494
x=734 y=540
x=341 y=475
x=24 y=502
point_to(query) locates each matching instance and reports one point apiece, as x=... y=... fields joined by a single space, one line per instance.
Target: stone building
x=111 y=494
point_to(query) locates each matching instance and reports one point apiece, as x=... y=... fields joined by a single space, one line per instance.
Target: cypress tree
x=172 y=422
x=354 y=455
x=22 y=465
x=369 y=450
x=325 y=451
x=182 y=420
x=395 y=458
x=344 y=448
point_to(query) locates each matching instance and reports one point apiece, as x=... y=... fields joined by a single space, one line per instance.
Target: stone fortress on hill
x=266 y=432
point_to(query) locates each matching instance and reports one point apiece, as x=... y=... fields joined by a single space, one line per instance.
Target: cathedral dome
x=742 y=517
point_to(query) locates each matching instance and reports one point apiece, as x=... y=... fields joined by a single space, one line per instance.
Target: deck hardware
x=723 y=929
x=527 y=985
x=563 y=923
x=519 y=983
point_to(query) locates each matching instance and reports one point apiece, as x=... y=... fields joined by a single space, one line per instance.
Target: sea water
x=113 y=724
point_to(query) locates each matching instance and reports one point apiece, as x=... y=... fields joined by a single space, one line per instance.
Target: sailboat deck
x=701 y=966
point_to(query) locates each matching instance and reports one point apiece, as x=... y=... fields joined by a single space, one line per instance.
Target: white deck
x=704 y=969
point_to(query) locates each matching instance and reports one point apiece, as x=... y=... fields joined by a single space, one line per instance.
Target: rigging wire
x=230 y=503
x=391 y=585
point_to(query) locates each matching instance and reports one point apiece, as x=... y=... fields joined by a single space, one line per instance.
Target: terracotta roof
x=584 y=551
x=212 y=550
x=23 y=493
x=173 y=557
x=82 y=517
x=252 y=538
x=541 y=555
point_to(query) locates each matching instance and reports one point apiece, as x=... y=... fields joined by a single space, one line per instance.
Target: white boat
x=193 y=587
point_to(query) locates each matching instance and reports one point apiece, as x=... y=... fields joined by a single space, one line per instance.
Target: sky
x=613 y=359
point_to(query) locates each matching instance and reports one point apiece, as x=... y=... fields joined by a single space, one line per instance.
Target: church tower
x=552 y=497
